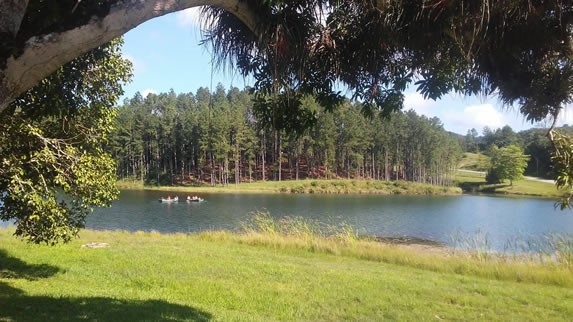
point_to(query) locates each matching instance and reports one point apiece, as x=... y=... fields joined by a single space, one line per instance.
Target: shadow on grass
x=12 y=267
x=17 y=306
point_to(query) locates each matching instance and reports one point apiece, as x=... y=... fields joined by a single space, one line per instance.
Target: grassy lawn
x=474 y=161
x=265 y=277
x=313 y=186
x=475 y=182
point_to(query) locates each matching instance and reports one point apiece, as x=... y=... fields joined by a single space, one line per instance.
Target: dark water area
x=438 y=218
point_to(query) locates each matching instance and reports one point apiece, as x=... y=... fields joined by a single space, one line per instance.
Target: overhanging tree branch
x=13 y=13
x=43 y=54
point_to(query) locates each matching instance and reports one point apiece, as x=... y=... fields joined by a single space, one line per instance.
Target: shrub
x=297 y=189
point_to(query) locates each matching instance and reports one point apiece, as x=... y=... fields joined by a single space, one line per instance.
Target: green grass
x=315 y=186
x=269 y=275
x=474 y=161
x=475 y=182
x=129 y=184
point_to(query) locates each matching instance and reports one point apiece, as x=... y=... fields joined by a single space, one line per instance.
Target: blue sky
x=166 y=55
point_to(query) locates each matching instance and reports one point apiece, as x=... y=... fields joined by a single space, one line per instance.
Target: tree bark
x=263 y=152
x=44 y=54
x=10 y=23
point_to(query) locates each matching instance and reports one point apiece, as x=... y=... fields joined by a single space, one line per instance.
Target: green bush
x=297 y=189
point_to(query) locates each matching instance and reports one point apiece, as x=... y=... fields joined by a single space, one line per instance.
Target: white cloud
x=474 y=116
x=189 y=17
x=148 y=91
x=566 y=116
x=459 y=114
x=415 y=101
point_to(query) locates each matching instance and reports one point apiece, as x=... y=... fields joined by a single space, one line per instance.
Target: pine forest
x=217 y=138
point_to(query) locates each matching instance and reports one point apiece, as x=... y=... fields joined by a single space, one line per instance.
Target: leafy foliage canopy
x=53 y=167
x=507 y=163
x=377 y=48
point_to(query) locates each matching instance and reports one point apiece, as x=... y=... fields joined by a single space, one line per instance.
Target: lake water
x=436 y=218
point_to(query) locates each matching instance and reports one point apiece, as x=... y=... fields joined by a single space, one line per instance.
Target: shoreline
x=357 y=187
x=311 y=186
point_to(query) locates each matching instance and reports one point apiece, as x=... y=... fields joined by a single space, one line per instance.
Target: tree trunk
x=280 y=152
x=297 y=163
x=386 y=166
x=10 y=23
x=41 y=55
x=237 y=167
x=263 y=151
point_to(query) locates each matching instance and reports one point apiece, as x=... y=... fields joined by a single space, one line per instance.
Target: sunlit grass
x=272 y=270
x=474 y=161
x=129 y=184
x=475 y=182
x=343 y=186
x=467 y=181
x=342 y=239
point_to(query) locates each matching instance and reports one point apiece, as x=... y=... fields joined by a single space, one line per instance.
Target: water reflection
x=429 y=217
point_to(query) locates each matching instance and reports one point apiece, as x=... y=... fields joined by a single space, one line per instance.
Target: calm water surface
x=428 y=217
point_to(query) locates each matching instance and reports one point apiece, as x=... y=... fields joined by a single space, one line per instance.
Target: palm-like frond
x=518 y=49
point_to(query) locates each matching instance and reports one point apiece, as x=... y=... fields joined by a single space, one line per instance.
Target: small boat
x=194 y=199
x=169 y=200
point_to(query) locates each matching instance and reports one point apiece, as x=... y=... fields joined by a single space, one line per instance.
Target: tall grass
x=548 y=249
x=263 y=222
x=476 y=245
x=299 y=233
x=263 y=229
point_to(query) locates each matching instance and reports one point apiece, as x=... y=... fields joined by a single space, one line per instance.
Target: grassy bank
x=269 y=275
x=474 y=161
x=465 y=181
x=312 y=186
x=475 y=183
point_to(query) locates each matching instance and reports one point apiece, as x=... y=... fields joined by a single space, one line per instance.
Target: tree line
x=533 y=142
x=219 y=138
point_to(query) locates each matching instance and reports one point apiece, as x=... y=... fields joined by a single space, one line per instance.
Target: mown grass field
x=475 y=182
x=267 y=276
x=474 y=161
x=312 y=186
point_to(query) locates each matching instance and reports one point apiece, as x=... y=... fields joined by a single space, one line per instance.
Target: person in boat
x=168 y=197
